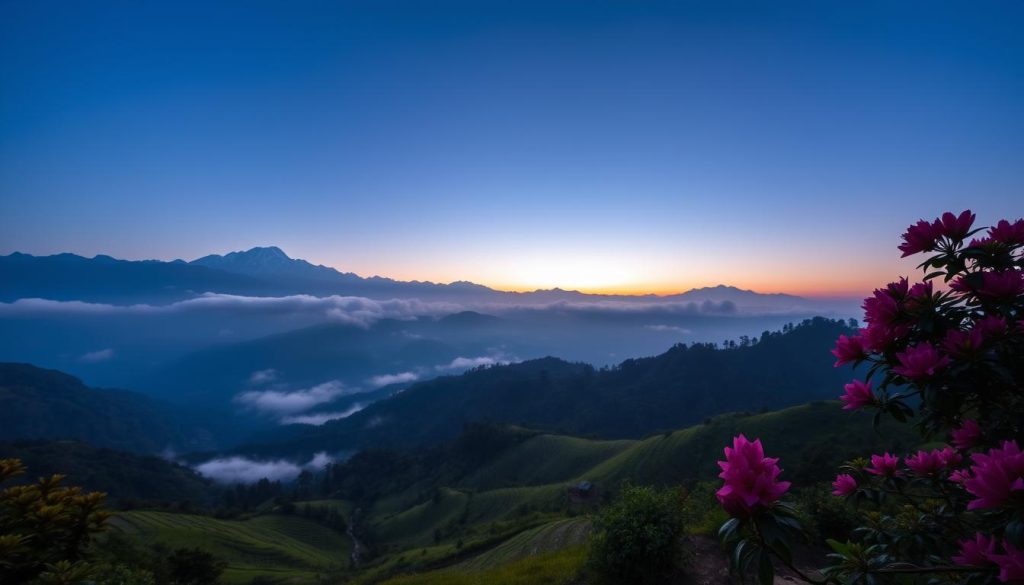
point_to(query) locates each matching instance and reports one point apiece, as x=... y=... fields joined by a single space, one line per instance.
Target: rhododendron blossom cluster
x=945 y=353
x=751 y=479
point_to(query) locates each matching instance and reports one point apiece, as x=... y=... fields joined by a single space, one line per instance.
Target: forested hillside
x=47 y=404
x=680 y=387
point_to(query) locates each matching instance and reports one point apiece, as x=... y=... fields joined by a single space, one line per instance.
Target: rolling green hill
x=496 y=502
x=280 y=547
x=550 y=537
x=524 y=485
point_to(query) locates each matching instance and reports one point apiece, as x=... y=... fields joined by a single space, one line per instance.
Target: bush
x=637 y=538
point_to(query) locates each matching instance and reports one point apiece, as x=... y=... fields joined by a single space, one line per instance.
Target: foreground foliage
x=953 y=362
x=636 y=538
x=556 y=568
x=45 y=527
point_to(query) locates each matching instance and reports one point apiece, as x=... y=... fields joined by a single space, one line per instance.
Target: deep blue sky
x=607 y=145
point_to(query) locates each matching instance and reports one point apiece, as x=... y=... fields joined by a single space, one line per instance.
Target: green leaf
x=839 y=547
x=728 y=529
x=737 y=554
x=1015 y=533
x=765 y=570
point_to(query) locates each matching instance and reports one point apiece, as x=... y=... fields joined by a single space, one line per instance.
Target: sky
x=633 y=146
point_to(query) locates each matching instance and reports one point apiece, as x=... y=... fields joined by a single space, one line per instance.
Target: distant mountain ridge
x=269 y=271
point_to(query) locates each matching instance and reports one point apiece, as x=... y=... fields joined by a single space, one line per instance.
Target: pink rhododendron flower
x=1008 y=233
x=858 y=395
x=1002 y=285
x=983 y=332
x=961 y=343
x=996 y=476
x=899 y=289
x=991 y=327
x=975 y=553
x=959 y=476
x=926 y=462
x=1011 y=564
x=920 y=361
x=991 y=285
x=954 y=227
x=919 y=237
x=879 y=338
x=844 y=485
x=919 y=295
x=751 y=479
x=885 y=465
x=849 y=349
x=881 y=308
x=950 y=457
x=967 y=436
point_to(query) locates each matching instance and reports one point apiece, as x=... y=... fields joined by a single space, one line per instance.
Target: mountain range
x=269 y=271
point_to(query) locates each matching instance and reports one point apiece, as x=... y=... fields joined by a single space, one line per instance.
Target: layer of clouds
x=364 y=312
x=286 y=402
x=93 y=357
x=358 y=311
x=231 y=470
x=632 y=307
x=669 y=329
x=261 y=377
x=465 y=363
x=399 y=378
x=319 y=418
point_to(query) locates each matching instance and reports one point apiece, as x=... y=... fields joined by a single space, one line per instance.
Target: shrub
x=637 y=538
x=45 y=527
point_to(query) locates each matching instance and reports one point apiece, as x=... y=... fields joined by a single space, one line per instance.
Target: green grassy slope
x=547 y=538
x=543 y=459
x=415 y=526
x=274 y=546
x=499 y=518
x=810 y=440
x=553 y=568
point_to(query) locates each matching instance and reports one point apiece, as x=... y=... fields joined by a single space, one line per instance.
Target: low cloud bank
x=364 y=312
x=465 y=363
x=357 y=311
x=399 y=378
x=669 y=329
x=93 y=357
x=261 y=377
x=231 y=470
x=292 y=401
x=319 y=418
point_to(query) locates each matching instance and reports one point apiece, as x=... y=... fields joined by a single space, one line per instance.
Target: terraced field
x=415 y=526
x=551 y=537
x=288 y=548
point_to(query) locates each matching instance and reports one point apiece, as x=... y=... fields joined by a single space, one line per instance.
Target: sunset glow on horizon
x=605 y=147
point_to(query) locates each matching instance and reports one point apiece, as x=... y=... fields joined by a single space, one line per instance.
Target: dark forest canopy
x=678 y=388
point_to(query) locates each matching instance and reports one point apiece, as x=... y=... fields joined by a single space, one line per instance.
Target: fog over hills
x=272 y=340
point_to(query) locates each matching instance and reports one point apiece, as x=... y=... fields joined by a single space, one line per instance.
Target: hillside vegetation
x=128 y=479
x=47 y=404
x=272 y=546
x=680 y=387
